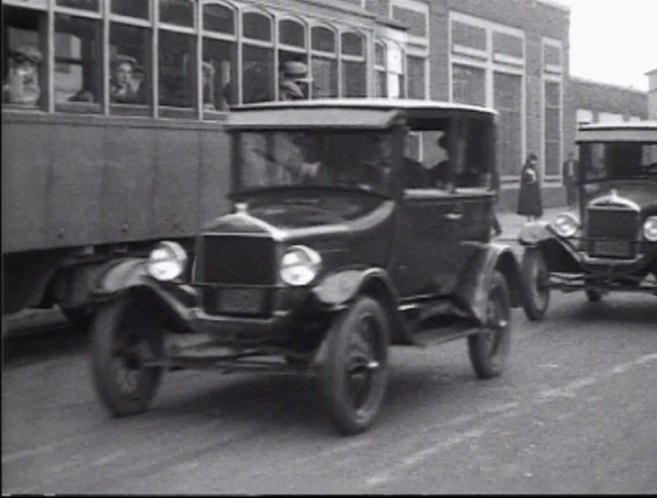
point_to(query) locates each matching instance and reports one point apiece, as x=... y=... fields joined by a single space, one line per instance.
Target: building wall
x=652 y=94
x=601 y=99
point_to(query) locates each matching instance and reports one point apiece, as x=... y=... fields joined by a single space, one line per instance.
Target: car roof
x=344 y=113
x=631 y=131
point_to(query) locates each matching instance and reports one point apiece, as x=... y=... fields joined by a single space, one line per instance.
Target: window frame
x=551 y=73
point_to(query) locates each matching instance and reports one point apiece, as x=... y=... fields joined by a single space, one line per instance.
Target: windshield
x=360 y=160
x=618 y=160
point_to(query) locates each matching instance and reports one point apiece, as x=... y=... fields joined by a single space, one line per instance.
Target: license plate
x=248 y=301
x=618 y=248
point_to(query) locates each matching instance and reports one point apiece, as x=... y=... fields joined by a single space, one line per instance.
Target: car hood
x=643 y=194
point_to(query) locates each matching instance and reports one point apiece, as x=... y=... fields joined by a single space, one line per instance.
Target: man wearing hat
x=22 y=85
x=294 y=81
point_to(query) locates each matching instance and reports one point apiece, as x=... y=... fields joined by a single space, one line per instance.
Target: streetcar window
x=130 y=80
x=78 y=52
x=176 y=65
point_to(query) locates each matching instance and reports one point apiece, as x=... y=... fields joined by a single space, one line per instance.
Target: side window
x=219 y=71
x=471 y=167
x=22 y=57
x=78 y=56
x=425 y=162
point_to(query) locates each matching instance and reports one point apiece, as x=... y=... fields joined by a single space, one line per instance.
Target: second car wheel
x=354 y=376
x=535 y=276
x=489 y=348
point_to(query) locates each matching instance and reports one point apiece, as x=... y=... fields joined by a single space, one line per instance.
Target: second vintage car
x=610 y=243
x=357 y=224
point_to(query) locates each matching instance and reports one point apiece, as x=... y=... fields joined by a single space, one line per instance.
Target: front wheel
x=124 y=335
x=535 y=276
x=355 y=374
x=489 y=348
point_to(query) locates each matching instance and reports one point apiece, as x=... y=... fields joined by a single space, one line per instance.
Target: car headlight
x=167 y=261
x=300 y=265
x=650 y=229
x=566 y=225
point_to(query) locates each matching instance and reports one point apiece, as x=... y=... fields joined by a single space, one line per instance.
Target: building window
x=609 y=117
x=584 y=116
x=468 y=85
x=381 y=75
x=257 y=58
x=468 y=36
x=552 y=128
x=416 y=77
x=78 y=71
x=508 y=103
x=23 y=75
x=324 y=62
x=354 y=70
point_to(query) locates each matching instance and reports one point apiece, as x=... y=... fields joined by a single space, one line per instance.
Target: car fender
x=534 y=232
x=475 y=282
x=337 y=289
x=131 y=274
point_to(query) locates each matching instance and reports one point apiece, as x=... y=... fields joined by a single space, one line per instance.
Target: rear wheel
x=488 y=349
x=535 y=276
x=80 y=317
x=593 y=296
x=124 y=336
x=355 y=374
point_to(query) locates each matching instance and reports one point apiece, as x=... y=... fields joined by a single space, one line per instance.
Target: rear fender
x=475 y=283
x=337 y=290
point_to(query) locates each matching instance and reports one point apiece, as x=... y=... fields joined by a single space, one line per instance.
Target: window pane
x=552 y=94
x=323 y=39
x=381 y=84
x=415 y=73
x=257 y=26
x=218 y=18
x=507 y=44
x=468 y=85
x=292 y=33
x=551 y=55
x=77 y=59
x=552 y=127
x=380 y=55
x=325 y=77
x=468 y=35
x=180 y=12
x=220 y=72
x=131 y=8
x=258 y=76
x=80 y=4
x=22 y=58
x=508 y=102
x=352 y=44
x=176 y=82
x=354 y=79
x=129 y=56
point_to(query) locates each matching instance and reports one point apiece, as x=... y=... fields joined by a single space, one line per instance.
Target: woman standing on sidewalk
x=530 y=202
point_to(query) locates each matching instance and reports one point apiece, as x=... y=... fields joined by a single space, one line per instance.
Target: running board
x=446 y=333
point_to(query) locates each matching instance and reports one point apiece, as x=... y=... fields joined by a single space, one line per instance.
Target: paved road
x=574 y=412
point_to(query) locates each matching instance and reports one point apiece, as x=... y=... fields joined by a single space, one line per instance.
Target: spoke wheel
x=355 y=374
x=489 y=348
x=536 y=278
x=124 y=337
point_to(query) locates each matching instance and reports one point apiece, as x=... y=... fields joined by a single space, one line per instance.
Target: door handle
x=453 y=216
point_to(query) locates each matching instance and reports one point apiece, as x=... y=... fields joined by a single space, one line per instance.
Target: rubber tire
x=109 y=319
x=485 y=364
x=534 y=304
x=593 y=296
x=80 y=317
x=346 y=418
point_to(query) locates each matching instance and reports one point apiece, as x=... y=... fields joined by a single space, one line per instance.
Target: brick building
x=652 y=93
x=597 y=102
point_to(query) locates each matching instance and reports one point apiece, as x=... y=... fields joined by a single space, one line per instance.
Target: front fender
x=534 y=232
x=131 y=274
x=475 y=283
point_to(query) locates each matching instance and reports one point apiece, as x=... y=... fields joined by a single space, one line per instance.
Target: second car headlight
x=167 y=261
x=650 y=229
x=300 y=265
x=566 y=225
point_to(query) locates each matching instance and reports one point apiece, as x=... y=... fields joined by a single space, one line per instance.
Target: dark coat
x=530 y=202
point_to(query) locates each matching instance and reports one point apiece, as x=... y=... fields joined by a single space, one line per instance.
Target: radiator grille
x=612 y=232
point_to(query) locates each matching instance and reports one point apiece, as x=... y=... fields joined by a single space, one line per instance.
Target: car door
x=429 y=256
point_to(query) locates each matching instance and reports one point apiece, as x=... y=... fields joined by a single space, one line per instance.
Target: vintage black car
x=610 y=243
x=350 y=232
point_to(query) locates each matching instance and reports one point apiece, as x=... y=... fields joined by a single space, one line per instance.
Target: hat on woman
x=121 y=59
x=27 y=52
x=532 y=157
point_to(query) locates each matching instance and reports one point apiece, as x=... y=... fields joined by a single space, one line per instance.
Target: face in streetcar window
x=22 y=86
x=124 y=88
